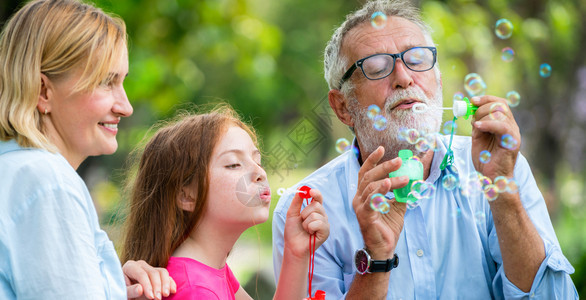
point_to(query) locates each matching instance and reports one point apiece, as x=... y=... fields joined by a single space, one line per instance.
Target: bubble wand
x=319 y=294
x=461 y=108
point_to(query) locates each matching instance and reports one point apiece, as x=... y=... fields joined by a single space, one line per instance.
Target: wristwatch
x=364 y=264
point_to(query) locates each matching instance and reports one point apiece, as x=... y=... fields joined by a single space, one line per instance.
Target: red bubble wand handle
x=319 y=294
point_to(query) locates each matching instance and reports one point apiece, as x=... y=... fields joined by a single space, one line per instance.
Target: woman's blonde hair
x=52 y=37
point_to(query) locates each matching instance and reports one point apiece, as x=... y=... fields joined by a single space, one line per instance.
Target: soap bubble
x=385 y=208
x=412 y=136
x=509 y=142
x=342 y=145
x=449 y=126
x=378 y=20
x=501 y=183
x=512 y=186
x=421 y=145
x=479 y=217
x=403 y=134
x=281 y=191
x=545 y=70
x=503 y=29
x=485 y=156
x=376 y=201
x=373 y=111
x=484 y=181
x=380 y=123
x=458 y=96
x=428 y=192
x=418 y=187
x=415 y=158
x=474 y=85
x=507 y=54
x=431 y=139
x=449 y=182
x=497 y=111
x=452 y=169
x=412 y=204
x=513 y=98
x=490 y=192
x=422 y=190
x=472 y=185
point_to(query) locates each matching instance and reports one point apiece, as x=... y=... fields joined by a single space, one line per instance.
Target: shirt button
x=419 y=253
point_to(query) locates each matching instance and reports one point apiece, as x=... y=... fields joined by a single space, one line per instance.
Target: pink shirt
x=198 y=281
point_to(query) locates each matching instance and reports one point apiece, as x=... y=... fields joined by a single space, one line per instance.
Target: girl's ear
x=186 y=198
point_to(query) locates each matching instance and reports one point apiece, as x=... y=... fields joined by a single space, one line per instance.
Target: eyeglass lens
x=416 y=59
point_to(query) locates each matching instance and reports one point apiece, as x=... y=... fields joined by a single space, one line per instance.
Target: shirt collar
x=8 y=146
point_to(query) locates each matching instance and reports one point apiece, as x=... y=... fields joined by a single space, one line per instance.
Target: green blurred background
x=265 y=59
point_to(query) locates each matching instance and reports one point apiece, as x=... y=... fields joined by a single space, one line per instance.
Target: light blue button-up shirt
x=51 y=245
x=448 y=248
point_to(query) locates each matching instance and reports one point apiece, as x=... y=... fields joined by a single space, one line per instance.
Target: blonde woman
x=62 y=65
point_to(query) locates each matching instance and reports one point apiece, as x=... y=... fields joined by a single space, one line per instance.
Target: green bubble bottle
x=411 y=168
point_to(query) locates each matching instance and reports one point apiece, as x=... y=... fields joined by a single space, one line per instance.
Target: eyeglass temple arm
x=348 y=74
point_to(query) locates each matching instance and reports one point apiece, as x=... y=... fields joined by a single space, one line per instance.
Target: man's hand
x=146 y=282
x=380 y=231
x=492 y=121
x=521 y=246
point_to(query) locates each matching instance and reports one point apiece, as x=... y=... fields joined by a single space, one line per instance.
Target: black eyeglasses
x=381 y=65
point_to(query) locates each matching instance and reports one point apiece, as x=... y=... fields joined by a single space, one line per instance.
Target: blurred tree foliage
x=265 y=58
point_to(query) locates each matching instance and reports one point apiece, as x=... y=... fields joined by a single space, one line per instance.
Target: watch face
x=361 y=261
x=395 y=260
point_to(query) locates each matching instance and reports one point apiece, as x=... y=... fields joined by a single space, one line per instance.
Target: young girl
x=199 y=185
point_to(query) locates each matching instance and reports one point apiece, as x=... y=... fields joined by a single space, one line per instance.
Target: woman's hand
x=146 y=282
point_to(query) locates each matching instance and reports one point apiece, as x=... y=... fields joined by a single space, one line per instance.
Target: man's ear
x=45 y=95
x=339 y=104
x=186 y=198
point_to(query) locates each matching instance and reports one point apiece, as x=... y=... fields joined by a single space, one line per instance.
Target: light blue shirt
x=51 y=245
x=446 y=250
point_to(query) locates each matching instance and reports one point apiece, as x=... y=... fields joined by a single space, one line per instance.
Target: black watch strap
x=384 y=265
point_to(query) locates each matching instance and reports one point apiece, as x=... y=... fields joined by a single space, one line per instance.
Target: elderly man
x=438 y=249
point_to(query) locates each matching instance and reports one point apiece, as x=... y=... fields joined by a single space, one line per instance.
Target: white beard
x=427 y=122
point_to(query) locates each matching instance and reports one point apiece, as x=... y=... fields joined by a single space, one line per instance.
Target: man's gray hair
x=335 y=63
